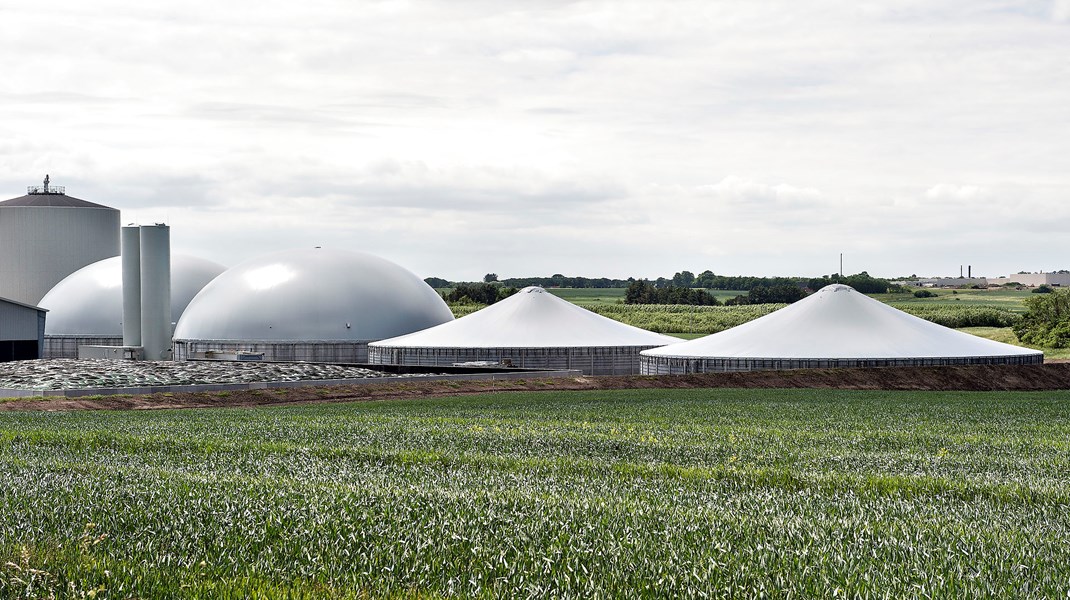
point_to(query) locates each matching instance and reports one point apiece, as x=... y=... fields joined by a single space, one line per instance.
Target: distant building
x=22 y=330
x=945 y=282
x=1034 y=279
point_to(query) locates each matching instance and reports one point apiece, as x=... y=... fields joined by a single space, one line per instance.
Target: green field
x=1013 y=300
x=1005 y=335
x=653 y=493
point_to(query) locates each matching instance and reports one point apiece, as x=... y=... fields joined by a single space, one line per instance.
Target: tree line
x=683 y=287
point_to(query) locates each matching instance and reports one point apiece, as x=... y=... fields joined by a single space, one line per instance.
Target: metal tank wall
x=592 y=360
x=156 y=291
x=671 y=365
x=40 y=245
x=131 y=265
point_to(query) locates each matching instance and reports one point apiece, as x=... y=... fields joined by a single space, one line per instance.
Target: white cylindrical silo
x=156 y=291
x=46 y=235
x=131 y=260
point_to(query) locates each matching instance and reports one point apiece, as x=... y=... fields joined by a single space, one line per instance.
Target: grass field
x=1013 y=300
x=1005 y=335
x=653 y=493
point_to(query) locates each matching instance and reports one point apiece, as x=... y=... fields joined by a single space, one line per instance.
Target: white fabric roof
x=89 y=302
x=314 y=294
x=531 y=318
x=839 y=322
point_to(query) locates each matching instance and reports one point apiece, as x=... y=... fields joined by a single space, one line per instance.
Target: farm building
x=86 y=308
x=46 y=235
x=1034 y=279
x=532 y=329
x=22 y=330
x=313 y=305
x=834 y=327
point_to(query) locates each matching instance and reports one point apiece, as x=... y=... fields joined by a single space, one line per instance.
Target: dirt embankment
x=1054 y=376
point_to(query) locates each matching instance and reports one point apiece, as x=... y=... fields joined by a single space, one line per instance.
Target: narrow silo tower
x=46 y=235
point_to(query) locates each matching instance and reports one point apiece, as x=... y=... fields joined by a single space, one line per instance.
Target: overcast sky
x=614 y=138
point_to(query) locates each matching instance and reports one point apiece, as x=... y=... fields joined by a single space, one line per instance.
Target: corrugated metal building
x=46 y=235
x=22 y=330
x=531 y=329
x=834 y=327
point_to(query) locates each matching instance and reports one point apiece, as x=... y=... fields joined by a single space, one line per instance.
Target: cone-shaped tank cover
x=531 y=318
x=837 y=322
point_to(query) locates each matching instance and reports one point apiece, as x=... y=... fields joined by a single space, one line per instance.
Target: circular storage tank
x=86 y=308
x=314 y=305
x=833 y=327
x=46 y=236
x=530 y=329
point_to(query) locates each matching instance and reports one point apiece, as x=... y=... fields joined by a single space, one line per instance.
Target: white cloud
x=943 y=191
x=618 y=138
x=1060 y=10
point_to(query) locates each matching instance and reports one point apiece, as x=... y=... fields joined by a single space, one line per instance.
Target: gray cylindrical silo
x=131 y=261
x=156 y=291
x=46 y=235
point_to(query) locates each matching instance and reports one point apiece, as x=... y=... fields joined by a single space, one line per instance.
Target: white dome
x=531 y=318
x=312 y=295
x=89 y=302
x=839 y=323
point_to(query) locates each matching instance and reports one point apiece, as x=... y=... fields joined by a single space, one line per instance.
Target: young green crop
x=677 y=318
x=646 y=493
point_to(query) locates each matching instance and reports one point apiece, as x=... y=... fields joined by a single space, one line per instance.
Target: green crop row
x=676 y=318
x=679 y=318
x=645 y=493
x=962 y=316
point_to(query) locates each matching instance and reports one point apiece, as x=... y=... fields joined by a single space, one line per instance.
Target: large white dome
x=312 y=295
x=89 y=302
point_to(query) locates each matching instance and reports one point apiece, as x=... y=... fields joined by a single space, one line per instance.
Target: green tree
x=772 y=294
x=437 y=282
x=479 y=293
x=643 y=292
x=684 y=279
x=1046 y=322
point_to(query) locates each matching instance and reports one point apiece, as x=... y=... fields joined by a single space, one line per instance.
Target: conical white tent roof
x=531 y=318
x=837 y=322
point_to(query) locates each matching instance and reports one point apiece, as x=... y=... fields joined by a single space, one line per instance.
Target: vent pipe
x=156 y=291
x=131 y=258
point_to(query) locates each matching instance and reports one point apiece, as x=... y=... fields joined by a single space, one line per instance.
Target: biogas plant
x=74 y=284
